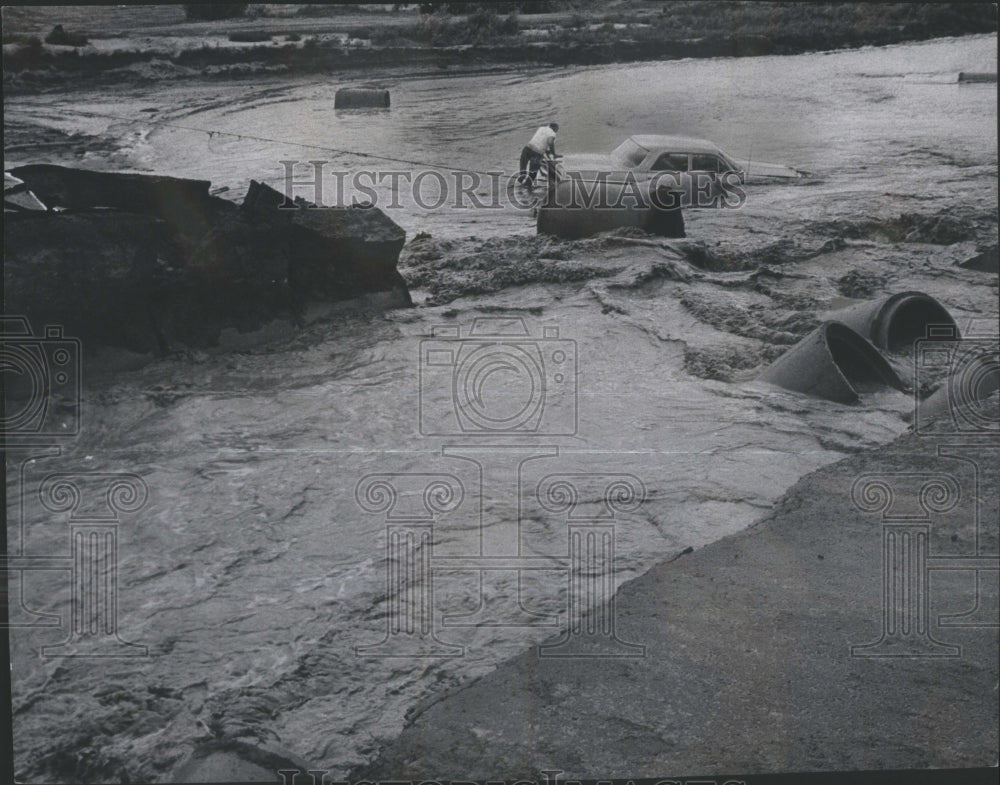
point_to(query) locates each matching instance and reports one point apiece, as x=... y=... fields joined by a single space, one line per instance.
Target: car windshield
x=630 y=153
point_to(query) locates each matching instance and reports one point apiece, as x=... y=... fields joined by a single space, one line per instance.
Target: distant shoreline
x=369 y=41
x=99 y=69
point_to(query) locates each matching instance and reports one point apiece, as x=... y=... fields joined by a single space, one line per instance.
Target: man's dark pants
x=530 y=163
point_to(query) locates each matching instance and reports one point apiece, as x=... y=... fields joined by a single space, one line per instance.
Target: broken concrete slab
x=352 y=249
x=146 y=262
x=17 y=195
x=987 y=261
x=184 y=204
x=63 y=186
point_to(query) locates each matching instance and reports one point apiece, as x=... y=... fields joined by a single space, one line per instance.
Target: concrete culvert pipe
x=967 y=400
x=361 y=98
x=573 y=210
x=894 y=323
x=832 y=362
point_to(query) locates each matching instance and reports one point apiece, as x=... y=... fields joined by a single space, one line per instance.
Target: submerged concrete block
x=832 y=362
x=572 y=211
x=973 y=76
x=361 y=98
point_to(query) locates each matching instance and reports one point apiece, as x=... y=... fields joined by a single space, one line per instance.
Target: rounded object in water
x=967 y=401
x=573 y=210
x=832 y=362
x=361 y=98
x=232 y=760
x=894 y=323
x=974 y=76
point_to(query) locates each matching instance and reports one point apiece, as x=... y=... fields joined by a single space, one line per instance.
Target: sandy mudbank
x=748 y=662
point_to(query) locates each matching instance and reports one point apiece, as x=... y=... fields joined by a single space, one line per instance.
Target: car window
x=675 y=162
x=725 y=165
x=630 y=153
x=705 y=163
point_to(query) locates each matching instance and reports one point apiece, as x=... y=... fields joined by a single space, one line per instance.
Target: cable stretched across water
x=253 y=137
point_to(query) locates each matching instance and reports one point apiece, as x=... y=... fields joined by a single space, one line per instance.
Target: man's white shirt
x=543 y=137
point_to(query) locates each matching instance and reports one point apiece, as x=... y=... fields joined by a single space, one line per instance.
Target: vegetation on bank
x=786 y=26
x=215 y=10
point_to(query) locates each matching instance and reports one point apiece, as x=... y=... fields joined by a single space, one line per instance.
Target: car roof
x=680 y=144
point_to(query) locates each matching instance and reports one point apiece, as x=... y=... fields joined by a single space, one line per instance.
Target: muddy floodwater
x=257 y=566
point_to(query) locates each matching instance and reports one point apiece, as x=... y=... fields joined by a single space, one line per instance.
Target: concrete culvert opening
x=860 y=363
x=832 y=362
x=908 y=320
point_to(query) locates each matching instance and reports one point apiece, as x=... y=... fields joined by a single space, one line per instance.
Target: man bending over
x=542 y=144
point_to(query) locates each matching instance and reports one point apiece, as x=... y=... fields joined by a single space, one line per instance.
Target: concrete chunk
x=361 y=98
x=339 y=248
x=61 y=186
x=145 y=262
x=987 y=261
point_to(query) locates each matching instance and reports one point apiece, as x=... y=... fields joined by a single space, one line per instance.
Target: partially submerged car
x=645 y=182
x=645 y=155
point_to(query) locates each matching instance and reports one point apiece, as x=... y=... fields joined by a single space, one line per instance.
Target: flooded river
x=258 y=566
